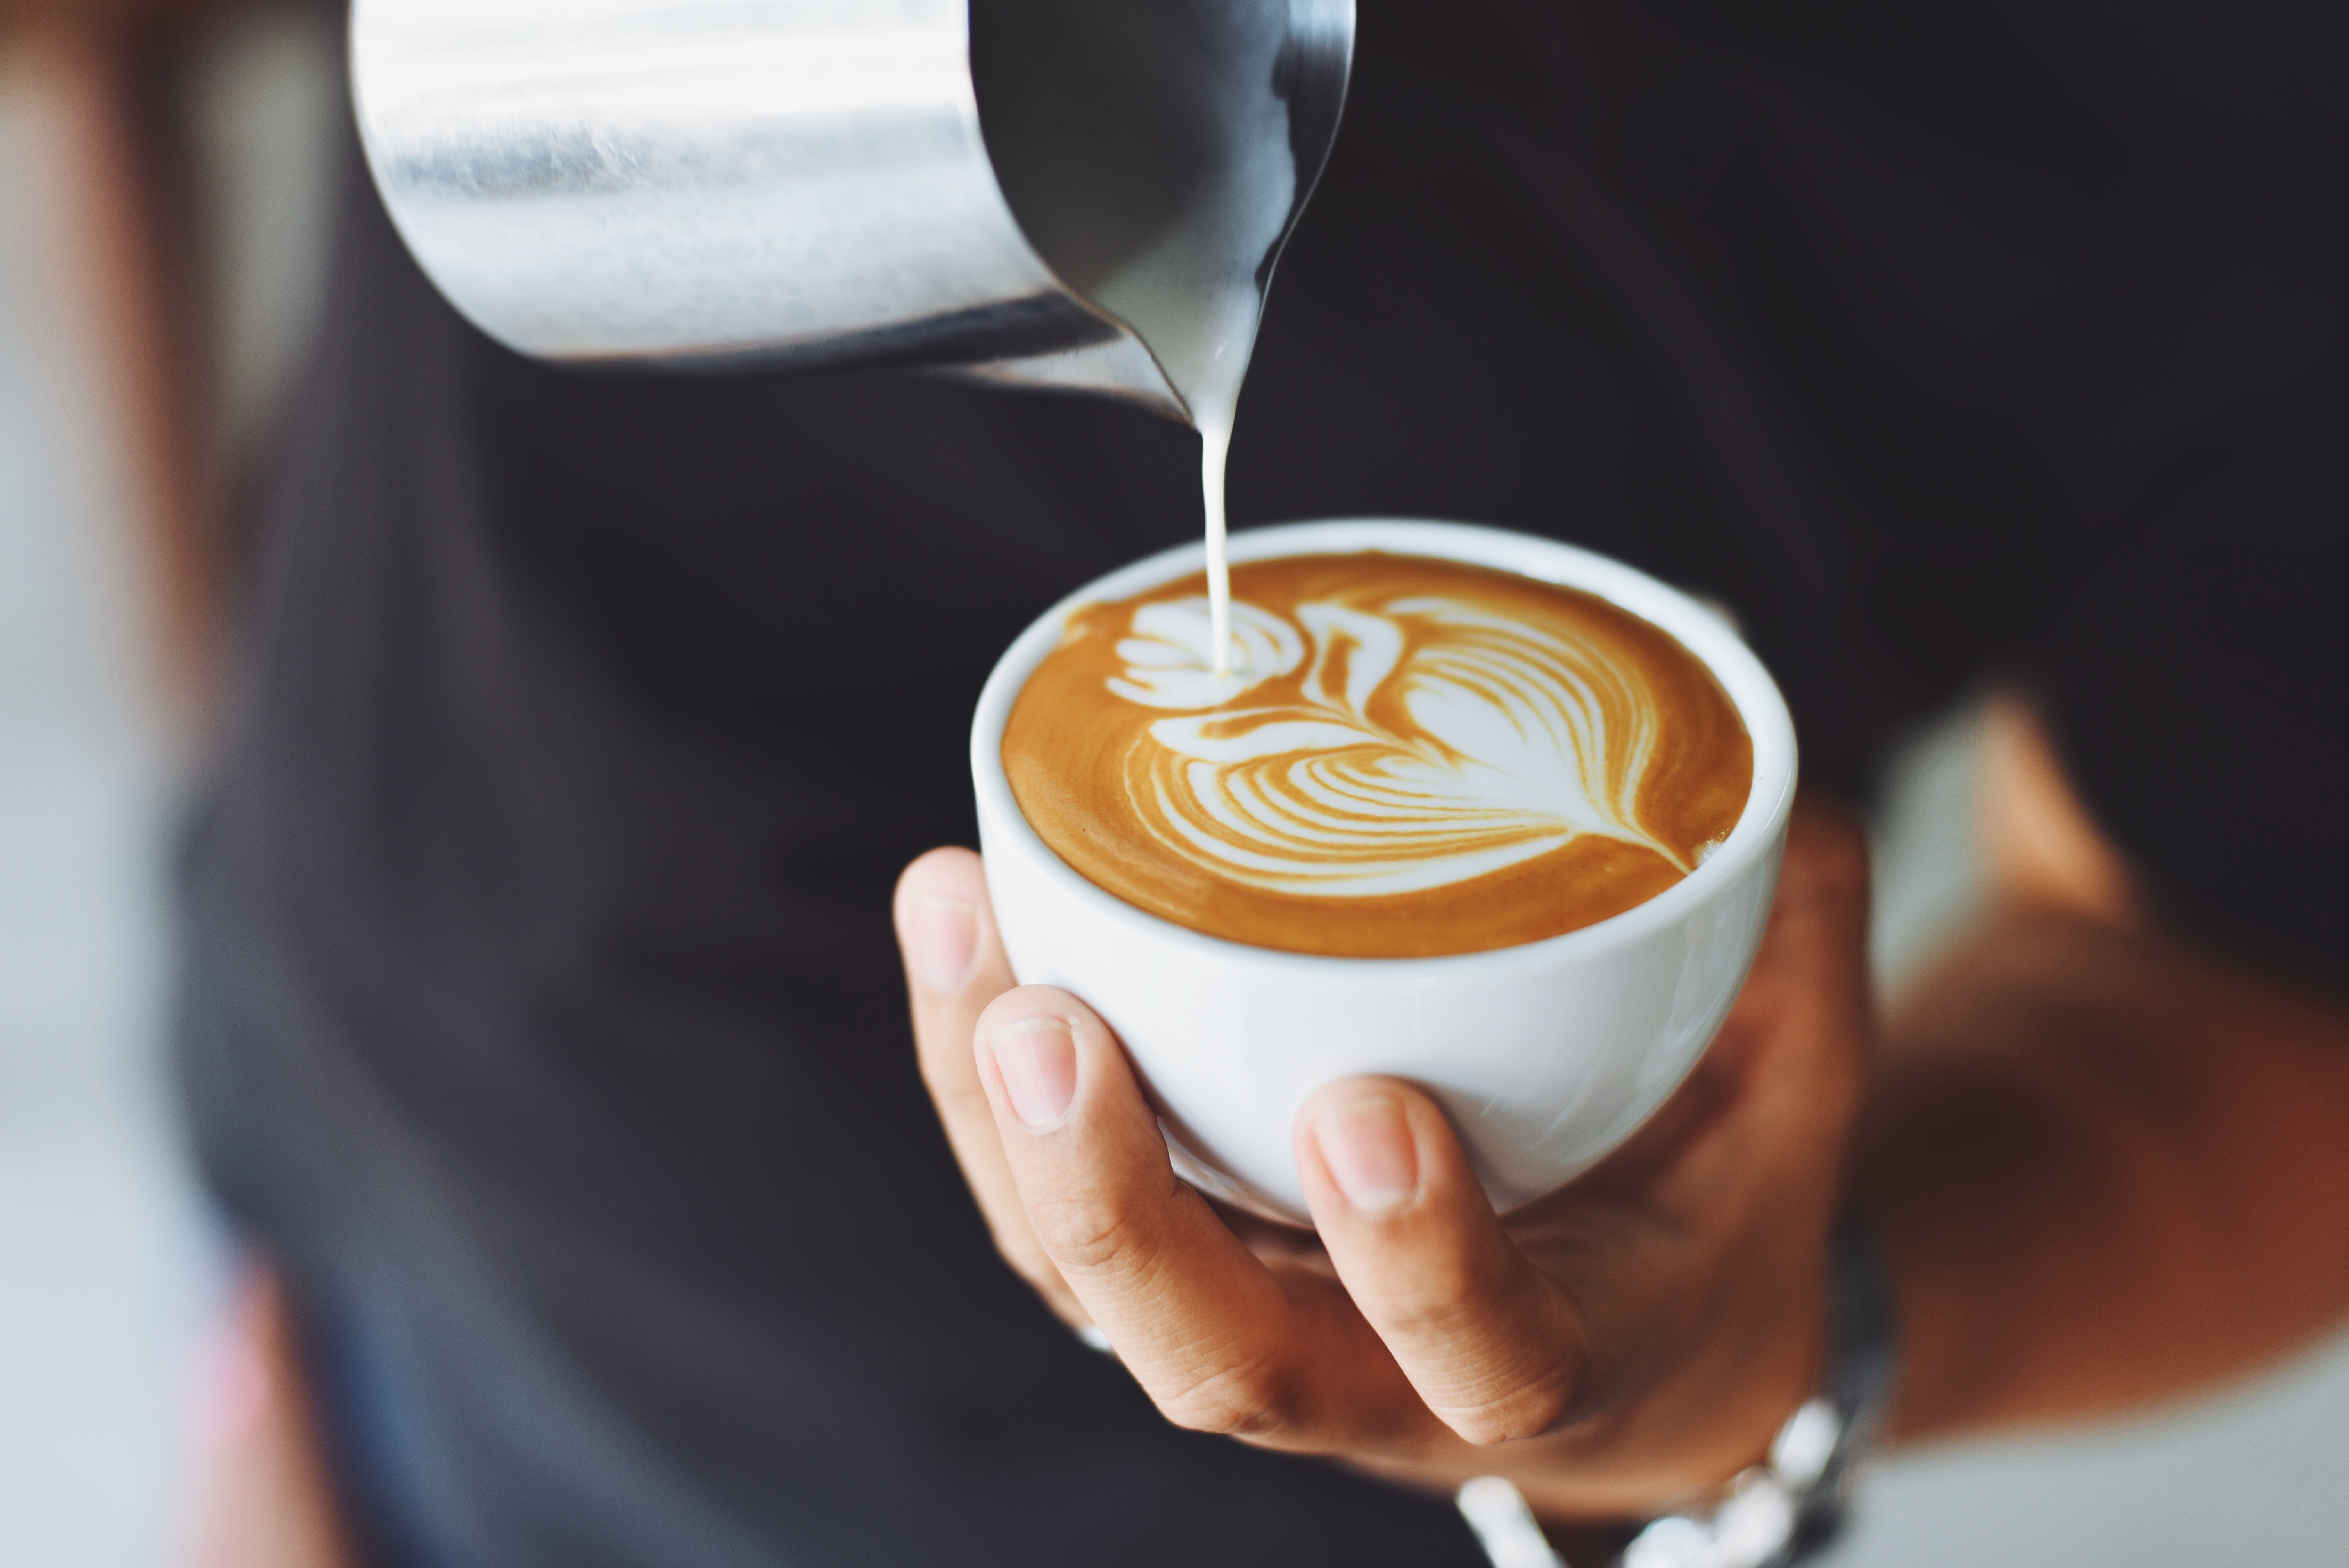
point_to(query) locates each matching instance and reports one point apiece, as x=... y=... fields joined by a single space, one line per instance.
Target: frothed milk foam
x=1408 y=758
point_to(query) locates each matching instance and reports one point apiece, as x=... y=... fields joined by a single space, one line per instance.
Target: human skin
x=261 y=1496
x=2095 y=1159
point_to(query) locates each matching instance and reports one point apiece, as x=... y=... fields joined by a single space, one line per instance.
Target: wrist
x=1786 y=1508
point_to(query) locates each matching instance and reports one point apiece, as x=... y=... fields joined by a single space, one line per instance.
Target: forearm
x=2104 y=1168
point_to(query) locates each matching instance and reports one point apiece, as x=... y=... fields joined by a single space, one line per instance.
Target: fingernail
x=1038 y=1059
x=944 y=933
x=1367 y=1146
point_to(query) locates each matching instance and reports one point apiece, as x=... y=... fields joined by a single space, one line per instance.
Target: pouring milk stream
x=1213 y=146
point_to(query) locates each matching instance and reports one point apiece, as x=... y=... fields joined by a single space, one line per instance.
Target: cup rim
x=1703 y=630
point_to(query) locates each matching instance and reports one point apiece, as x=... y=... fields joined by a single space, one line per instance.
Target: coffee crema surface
x=1409 y=757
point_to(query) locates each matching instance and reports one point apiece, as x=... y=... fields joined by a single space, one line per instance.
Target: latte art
x=1397 y=745
x=1503 y=742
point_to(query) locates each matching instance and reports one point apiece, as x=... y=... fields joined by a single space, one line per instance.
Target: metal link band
x=1785 y=1512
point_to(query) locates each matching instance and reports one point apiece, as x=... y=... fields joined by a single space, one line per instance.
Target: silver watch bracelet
x=1787 y=1509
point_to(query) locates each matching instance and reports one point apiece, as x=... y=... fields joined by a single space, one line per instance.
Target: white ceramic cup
x=1546 y=1056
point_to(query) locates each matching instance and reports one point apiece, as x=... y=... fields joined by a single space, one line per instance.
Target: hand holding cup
x=1625 y=1341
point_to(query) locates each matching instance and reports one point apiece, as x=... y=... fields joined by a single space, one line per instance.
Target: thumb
x=1492 y=1347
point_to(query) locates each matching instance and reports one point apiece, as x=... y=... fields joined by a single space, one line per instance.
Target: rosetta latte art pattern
x=1406 y=757
x=1430 y=741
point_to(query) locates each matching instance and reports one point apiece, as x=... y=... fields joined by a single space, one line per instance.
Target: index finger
x=955 y=966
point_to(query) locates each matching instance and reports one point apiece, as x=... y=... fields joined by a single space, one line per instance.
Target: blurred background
x=163 y=199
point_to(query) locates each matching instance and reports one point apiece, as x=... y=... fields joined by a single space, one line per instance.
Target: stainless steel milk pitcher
x=802 y=182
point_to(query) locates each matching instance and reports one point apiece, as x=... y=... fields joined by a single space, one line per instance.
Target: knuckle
x=1255 y=1400
x=1528 y=1411
x=1446 y=1307
x=1499 y=1379
x=1087 y=1233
